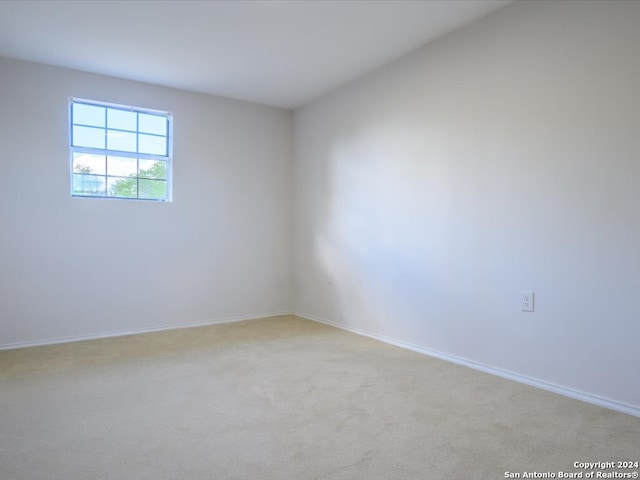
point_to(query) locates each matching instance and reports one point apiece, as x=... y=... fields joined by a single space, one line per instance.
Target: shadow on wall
x=395 y=242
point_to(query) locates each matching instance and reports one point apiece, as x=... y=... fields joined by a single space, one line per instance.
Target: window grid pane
x=121 y=141
x=89 y=185
x=122 y=120
x=119 y=152
x=154 y=124
x=90 y=115
x=152 y=188
x=89 y=164
x=152 y=169
x=91 y=137
x=122 y=187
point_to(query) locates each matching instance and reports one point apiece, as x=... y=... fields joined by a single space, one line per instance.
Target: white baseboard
x=135 y=331
x=533 y=382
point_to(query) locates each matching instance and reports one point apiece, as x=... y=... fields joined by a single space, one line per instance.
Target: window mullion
x=119 y=153
x=137 y=156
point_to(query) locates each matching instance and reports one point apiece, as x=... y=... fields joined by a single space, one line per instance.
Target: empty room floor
x=283 y=398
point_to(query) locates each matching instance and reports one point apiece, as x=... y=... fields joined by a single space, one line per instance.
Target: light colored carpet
x=282 y=398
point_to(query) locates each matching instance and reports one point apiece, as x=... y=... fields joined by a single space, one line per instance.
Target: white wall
x=79 y=267
x=503 y=157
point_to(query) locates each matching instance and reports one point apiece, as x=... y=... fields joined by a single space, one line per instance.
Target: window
x=119 y=152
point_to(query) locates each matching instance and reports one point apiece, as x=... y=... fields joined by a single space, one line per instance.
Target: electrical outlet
x=526 y=301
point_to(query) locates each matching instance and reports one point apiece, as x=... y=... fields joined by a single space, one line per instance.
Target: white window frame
x=106 y=152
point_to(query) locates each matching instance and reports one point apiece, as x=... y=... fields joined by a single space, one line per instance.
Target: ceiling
x=280 y=53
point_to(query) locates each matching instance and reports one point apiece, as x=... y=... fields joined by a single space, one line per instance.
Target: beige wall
x=74 y=267
x=503 y=157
